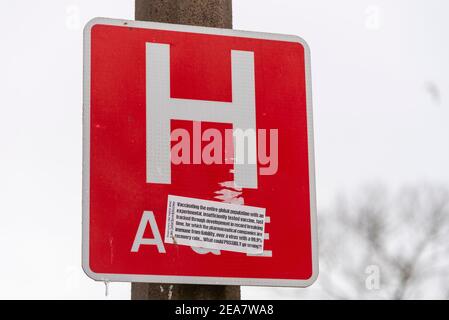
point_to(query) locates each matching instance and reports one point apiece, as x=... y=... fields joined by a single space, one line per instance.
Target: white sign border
x=86 y=160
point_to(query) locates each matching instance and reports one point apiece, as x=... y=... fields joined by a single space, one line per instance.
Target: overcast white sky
x=381 y=105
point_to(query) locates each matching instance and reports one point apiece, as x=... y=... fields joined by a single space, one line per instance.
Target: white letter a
x=148 y=216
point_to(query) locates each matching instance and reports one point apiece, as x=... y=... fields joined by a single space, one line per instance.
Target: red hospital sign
x=197 y=156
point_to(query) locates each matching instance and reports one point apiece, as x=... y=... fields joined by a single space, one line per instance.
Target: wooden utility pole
x=208 y=13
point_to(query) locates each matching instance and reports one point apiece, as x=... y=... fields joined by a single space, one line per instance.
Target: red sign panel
x=198 y=113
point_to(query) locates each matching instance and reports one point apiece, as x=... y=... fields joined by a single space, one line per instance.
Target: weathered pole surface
x=208 y=13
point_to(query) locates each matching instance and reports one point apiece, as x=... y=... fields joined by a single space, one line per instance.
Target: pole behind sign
x=208 y=13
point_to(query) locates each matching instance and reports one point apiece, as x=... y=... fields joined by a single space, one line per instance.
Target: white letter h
x=161 y=108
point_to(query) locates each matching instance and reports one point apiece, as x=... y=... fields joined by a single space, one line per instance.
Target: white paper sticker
x=214 y=225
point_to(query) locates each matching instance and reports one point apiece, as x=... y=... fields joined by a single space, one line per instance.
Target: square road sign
x=198 y=159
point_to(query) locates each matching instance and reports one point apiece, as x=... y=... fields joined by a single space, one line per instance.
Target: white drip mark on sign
x=106 y=288
x=162 y=288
